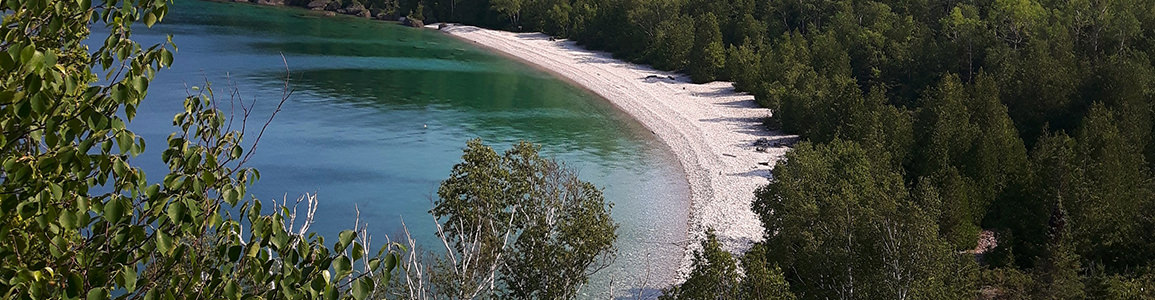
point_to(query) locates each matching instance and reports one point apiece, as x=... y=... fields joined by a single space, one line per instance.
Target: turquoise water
x=380 y=113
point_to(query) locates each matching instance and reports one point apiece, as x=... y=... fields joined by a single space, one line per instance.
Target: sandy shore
x=710 y=128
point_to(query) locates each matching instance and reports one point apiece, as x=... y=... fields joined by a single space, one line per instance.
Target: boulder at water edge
x=411 y=22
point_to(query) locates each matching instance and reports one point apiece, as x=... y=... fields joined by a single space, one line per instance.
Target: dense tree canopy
x=927 y=124
x=1031 y=120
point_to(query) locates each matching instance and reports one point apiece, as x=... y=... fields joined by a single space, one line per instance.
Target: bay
x=379 y=113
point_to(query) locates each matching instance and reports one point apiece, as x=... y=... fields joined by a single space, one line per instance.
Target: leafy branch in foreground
x=77 y=219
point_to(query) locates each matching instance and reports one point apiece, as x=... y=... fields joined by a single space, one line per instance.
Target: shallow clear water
x=381 y=112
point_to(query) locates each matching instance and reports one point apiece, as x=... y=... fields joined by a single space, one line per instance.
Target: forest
x=996 y=149
x=926 y=125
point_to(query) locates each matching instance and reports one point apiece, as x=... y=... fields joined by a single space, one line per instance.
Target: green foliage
x=763 y=280
x=708 y=56
x=953 y=94
x=417 y=13
x=559 y=14
x=1103 y=227
x=841 y=224
x=524 y=219
x=715 y=275
x=510 y=8
x=675 y=37
x=742 y=63
x=971 y=153
x=79 y=220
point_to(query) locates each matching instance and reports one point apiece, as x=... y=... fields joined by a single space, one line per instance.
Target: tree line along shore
x=954 y=149
x=993 y=149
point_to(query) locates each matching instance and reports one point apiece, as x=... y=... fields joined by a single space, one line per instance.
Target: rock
x=342 y=11
x=328 y=13
x=764 y=142
x=355 y=9
x=317 y=4
x=271 y=2
x=383 y=16
x=442 y=26
x=413 y=23
x=333 y=6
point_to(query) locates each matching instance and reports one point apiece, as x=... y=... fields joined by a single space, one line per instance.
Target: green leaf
x=124 y=139
x=152 y=190
x=39 y=103
x=119 y=168
x=163 y=243
x=140 y=84
x=176 y=211
x=97 y=294
x=57 y=191
x=232 y=291
x=119 y=93
x=342 y=266
x=75 y=284
x=235 y=252
x=374 y=264
x=319 y=283
x=68 y=220
x=232 y=196
x=358 y=251
x=129 y=274
x=57 y=247
x=362 y=287
x=166 y=57
x=344 y=238
x=113 y=211
x=149 y=19
x=390 y=262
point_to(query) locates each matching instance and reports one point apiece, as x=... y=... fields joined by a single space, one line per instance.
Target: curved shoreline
x=709 y=128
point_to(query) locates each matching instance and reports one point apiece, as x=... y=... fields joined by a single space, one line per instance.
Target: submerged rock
x=271 y=2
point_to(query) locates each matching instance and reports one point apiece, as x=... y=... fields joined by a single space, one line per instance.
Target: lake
x=380 y=114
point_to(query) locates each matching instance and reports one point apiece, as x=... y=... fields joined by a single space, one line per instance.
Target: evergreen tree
x=707 y=57
x=715 y=276
x=1109 y=213
x=841 y=224
x=763 y=279
x=674 y=39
